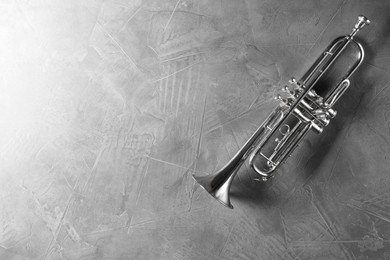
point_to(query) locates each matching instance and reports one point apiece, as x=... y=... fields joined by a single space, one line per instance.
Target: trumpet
x=301 y=109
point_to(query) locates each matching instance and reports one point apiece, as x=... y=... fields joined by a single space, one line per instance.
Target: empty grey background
x=108 y=107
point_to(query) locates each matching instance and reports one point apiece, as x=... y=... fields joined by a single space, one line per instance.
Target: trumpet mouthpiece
x=362 y=21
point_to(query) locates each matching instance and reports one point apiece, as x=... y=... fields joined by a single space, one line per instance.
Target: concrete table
x=107 y=108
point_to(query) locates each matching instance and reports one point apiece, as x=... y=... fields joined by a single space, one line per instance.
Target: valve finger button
x=293 y=80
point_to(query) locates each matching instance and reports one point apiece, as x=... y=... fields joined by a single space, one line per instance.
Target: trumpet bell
x=217 y=187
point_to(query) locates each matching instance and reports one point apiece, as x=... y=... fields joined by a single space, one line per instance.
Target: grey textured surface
x=108 y=107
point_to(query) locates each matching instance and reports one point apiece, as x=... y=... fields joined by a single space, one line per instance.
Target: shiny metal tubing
x=308 y=110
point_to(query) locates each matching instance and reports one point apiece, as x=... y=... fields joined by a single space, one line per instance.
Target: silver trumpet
x=301 y=109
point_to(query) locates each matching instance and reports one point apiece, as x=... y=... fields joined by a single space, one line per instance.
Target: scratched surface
x=108 y=107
